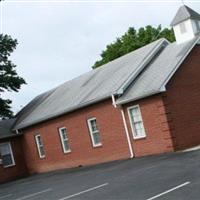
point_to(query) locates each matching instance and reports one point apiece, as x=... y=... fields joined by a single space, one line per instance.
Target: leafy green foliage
x=9 y=79
x=133 y=40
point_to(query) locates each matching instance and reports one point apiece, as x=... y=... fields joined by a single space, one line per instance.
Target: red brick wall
x=112 y=133
x=182 y=101
x=171 y=120
x=19 y=170
x=158 y=139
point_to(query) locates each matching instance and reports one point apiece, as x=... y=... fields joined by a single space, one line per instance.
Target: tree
x=9 y=79
x=133 y=40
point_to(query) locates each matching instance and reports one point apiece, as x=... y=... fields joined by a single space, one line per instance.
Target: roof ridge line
x=186 y=9
x=164 y=42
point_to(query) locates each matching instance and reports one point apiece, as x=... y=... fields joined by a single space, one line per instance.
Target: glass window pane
x=63 y=130
x=137 y=118
x=64 y=135
x=40 y=146
x=135 y=114
x=96 y=137
x=138 y=132
x=6 y=154
x=93 y=125
x=135 y=111
x=39 y=140
x=66 y=145
x=136 y=121
x=7 y=160
x=139 y=129
x=64 y=139
x=138 y=125
x=132 y=116
x=94 y=132
x=42 y=153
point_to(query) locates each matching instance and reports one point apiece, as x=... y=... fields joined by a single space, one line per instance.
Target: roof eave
x=138 y=98
x=18 y=127
x=178 y=22
x=10 y=136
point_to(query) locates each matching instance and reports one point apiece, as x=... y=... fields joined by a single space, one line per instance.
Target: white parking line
x=170 y=190
x=34 y=194
x=6 y=196
x=84 y=191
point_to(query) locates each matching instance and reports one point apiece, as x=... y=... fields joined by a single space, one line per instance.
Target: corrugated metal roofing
x=154 y=77
x=101 y=83
x=6 y=128
x=88 y=88
x=183 y=14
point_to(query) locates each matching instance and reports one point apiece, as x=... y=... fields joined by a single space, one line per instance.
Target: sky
x=60 y=40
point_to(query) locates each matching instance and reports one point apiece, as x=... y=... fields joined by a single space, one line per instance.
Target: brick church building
x=145 y=102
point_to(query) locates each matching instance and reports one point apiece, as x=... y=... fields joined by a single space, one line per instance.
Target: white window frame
x=92 y=132
x=63 y=140
x=38 y=146
x=11 y=153
x=132 y=123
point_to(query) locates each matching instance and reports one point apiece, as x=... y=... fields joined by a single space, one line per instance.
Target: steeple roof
x=183 y=14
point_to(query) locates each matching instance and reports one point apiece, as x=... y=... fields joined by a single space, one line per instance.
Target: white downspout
x=113 y=101
x=127 y=133
x=125 y=127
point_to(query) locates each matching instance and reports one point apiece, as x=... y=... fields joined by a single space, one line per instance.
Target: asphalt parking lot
x=167 y=177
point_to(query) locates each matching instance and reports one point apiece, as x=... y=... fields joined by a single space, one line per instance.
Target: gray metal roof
x=145 y=71
x=183 y=14
x=86 y=89
x=6 y=128
x=156 y=75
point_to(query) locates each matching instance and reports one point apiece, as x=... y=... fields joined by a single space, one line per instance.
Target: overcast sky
x=59 y=41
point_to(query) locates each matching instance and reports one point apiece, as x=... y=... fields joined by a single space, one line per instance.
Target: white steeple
x=186 y=24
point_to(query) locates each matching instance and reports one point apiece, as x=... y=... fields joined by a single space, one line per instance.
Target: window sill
x=98 y=145
x=41 y=158
x=12 y=165
x=139 y=138
x=66 y=152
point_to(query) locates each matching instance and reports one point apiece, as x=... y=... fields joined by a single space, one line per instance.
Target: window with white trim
x=64 y=140
x=136 y=121
x=94 y=132
x=40 y=146
x=6 y=155
x=182 y=27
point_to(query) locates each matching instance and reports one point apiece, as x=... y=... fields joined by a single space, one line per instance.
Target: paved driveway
x=167 y=177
